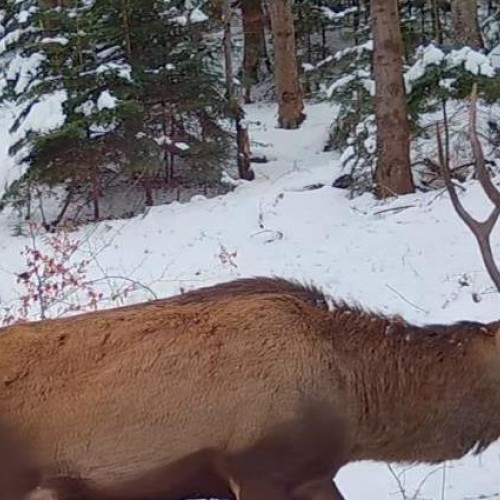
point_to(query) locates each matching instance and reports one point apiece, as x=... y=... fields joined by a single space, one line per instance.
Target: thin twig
x=393 y=209
x=402 y=297
x=401 y=487
x=424 y=480
x=136 y=283
x=443 y=484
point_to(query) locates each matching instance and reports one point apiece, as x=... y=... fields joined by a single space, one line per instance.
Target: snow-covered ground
x=410 y=255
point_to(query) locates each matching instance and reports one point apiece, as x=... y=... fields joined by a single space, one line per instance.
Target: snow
x=494 y=56
x=194 y=16
x=473 y=61
x=61 y=40
x=24 y=15
x=426 y=56
x=409 y=255
x=362 y=75
x=339 y=83
x=44 y=116
x=432 y=55
x=23 y=68
x=106 y=101
x=86 y=108
x=197 y=16
x=182 y=146
x=357 y=49
x=335 y=16
x=47 y=113
x=123 y=70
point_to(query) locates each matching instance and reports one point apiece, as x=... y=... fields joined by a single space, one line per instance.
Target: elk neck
x=415 y=394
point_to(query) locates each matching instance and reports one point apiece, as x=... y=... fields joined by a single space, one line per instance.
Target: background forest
x=123 y=105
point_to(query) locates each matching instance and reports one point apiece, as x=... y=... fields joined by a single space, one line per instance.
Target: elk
x=256 y=389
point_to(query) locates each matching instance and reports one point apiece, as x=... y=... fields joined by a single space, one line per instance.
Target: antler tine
x=482 y=174
x=480 y=229
x=455 y=200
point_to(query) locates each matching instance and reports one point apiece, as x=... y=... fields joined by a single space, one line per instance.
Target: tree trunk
x=227 y=43
x=242 y=138
x=95 y=191
x=288 y=89
x=393 y=174
x=436 y=21
x=243 y=145
x=464 y=24
x=253 y=42
x=148 y=190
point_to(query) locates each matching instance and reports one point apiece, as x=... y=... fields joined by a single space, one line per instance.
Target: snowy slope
x=410 y=256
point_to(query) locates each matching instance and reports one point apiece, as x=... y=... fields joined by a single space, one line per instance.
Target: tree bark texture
x=288 y=89
x=242 y=138
x=253 y=42
x=436 y=22
x=465 y=24
x=393 y=174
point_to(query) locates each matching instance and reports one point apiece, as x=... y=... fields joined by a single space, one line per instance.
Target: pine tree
x=60 y=61
x=136 y=84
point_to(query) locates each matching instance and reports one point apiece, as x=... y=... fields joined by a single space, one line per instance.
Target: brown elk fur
x=18 y=469
x=256 y=389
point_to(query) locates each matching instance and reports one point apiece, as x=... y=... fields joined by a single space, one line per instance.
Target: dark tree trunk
x=148 y=190
x=253 y=42
x=436 y=21
x=243 y=146
x=95 y=191
x=464 y=24
x=393 y=174
x=288 y=89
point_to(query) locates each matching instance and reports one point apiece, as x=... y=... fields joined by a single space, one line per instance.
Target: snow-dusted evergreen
x=127 y=87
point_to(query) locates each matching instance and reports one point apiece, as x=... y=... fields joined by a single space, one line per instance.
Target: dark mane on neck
x=460 y=328
x=254 y=286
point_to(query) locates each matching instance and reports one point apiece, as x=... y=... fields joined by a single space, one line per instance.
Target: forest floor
x=409 y=255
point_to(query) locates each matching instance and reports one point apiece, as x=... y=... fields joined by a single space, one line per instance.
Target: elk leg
x=19 y=472
x=195 y=476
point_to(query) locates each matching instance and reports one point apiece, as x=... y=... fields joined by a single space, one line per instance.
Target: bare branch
x=480 y=229
x=482 y=173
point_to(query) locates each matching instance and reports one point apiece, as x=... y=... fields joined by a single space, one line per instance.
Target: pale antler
x=481 y=229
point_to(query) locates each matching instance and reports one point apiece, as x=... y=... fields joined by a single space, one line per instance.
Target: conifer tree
x=134 y=82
